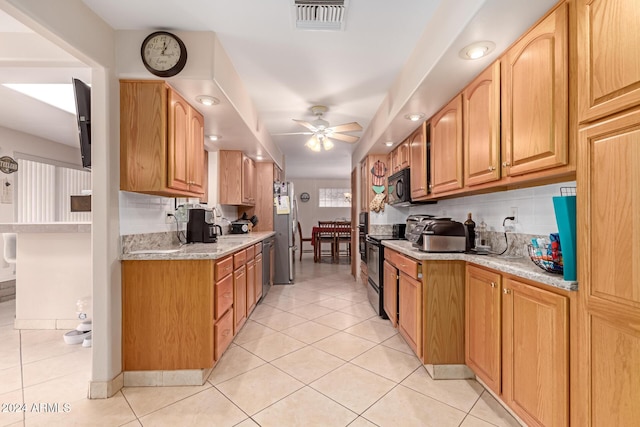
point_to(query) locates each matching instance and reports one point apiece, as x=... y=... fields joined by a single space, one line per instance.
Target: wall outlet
x=514 y=214
x=169 y=218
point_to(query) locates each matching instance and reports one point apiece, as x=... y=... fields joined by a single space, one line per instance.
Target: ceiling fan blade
x=292 y=133
x=346 y=138
x=308 y=125
x=347 y=127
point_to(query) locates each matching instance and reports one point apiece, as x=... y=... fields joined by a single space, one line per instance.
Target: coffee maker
x=199 y=230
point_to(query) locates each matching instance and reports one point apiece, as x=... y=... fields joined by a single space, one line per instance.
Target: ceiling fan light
x=313 y=144
x=327 y=144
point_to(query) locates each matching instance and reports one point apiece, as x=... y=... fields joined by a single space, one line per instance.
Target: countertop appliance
x=413 y=220
x=199 y=230
x=285 y=223
x=439 y=235
x=240 y=226
x=375 y=268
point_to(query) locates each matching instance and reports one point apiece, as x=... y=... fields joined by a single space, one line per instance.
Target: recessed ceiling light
x=58 y=95
x=414 y=117
x=259 y=157
x=477 y=50
x=207 y=100
x=213 y=137
x=389 y=143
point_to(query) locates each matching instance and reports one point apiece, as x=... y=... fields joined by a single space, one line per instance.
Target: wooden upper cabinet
x=237 y=179
x=482 y=128
x=608 y=60
x=161 y=151
x=404 y=154
x=535 y=358
x=535 y=98
x=186 y=146
x=418 y=155
x=248 y=181
x=446 y=148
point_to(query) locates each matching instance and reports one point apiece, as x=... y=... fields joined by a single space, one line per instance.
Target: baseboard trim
x=180 y=377
x=449 y=372
x=106 y=389
x=62 y=324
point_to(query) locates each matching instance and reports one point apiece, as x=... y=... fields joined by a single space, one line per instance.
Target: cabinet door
x=418 y=155
x=482 y=325
x=251 y=286
x=223 y=295
x=196 y=152
x=395 y=160
x=230 y=177
x=608 y=60
x=248 y=180
x=239 y=297
x=410 y=312
x=609 y=274
x=223 y=334
x=364 y=191
x=535 y=101
x=178 y=144
x=390 y=292
x=535 y=357
x=446 y=148
x=259 y=277
x=404 y=154
x=482 y=128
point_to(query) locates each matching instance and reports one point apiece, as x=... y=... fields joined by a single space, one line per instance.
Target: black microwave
x=399 y=188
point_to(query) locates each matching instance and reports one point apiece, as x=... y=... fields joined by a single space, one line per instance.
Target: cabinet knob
x=506 y=164
x=492 y=168
x=493 y=284
x=506 y=291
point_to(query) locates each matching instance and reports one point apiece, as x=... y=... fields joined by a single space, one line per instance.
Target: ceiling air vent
x=320 y=14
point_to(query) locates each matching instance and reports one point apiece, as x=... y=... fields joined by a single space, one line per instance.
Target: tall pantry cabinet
x=607 y=385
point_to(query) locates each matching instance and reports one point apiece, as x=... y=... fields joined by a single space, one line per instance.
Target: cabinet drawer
x=250 y=252
x=223 y=333
x=239 y=259
x=257 y=248
x=223 y=295
x=407 y=265
x=224 y=267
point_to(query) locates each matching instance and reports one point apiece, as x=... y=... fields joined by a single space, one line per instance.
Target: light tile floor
x=311 y=354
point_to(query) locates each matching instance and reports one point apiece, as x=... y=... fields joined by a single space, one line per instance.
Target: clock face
x=163 y=54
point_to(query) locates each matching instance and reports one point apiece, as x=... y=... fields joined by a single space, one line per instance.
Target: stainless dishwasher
x=268 y=252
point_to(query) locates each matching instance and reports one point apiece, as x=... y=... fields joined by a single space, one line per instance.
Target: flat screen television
x=82 y=93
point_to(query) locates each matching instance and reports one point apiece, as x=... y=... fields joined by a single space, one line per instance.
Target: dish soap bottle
x=471 y=232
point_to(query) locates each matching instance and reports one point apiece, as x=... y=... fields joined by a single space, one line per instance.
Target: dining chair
x=302 y=240
x=343 y=237
x=327 y=236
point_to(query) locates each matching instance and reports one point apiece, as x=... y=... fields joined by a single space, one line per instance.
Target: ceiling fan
x=321 y=133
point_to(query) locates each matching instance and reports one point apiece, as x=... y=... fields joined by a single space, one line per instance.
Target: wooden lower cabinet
x=410 y=311
x=251 y=286
x=239 y=297
x=483 y=321
x=223 y=333
x=390 y=292
x=517 y=343
x=160 y=318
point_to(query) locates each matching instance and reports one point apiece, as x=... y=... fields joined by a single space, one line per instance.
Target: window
x=334 y=197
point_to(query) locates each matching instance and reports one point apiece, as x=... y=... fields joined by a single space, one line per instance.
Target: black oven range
x=375 y=267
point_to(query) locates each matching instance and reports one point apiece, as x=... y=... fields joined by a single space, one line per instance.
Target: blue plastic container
x=565 y=208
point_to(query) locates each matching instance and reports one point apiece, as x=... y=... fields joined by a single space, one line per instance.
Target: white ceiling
x=286 y=70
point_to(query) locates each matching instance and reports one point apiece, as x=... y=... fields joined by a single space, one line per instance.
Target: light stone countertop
x=521 y=267
x=46 y=227
x=226 y=245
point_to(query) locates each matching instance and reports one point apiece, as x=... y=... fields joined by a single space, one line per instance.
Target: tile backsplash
x=143 y=214
x=535 y=209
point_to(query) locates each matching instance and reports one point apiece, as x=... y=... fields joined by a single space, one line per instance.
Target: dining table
x=337 y=232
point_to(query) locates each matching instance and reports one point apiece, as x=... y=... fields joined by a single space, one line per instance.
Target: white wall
x=535 y=209
x=310 y=212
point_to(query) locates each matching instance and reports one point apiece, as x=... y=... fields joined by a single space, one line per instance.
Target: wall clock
x=163 y=54
x=304 y=197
